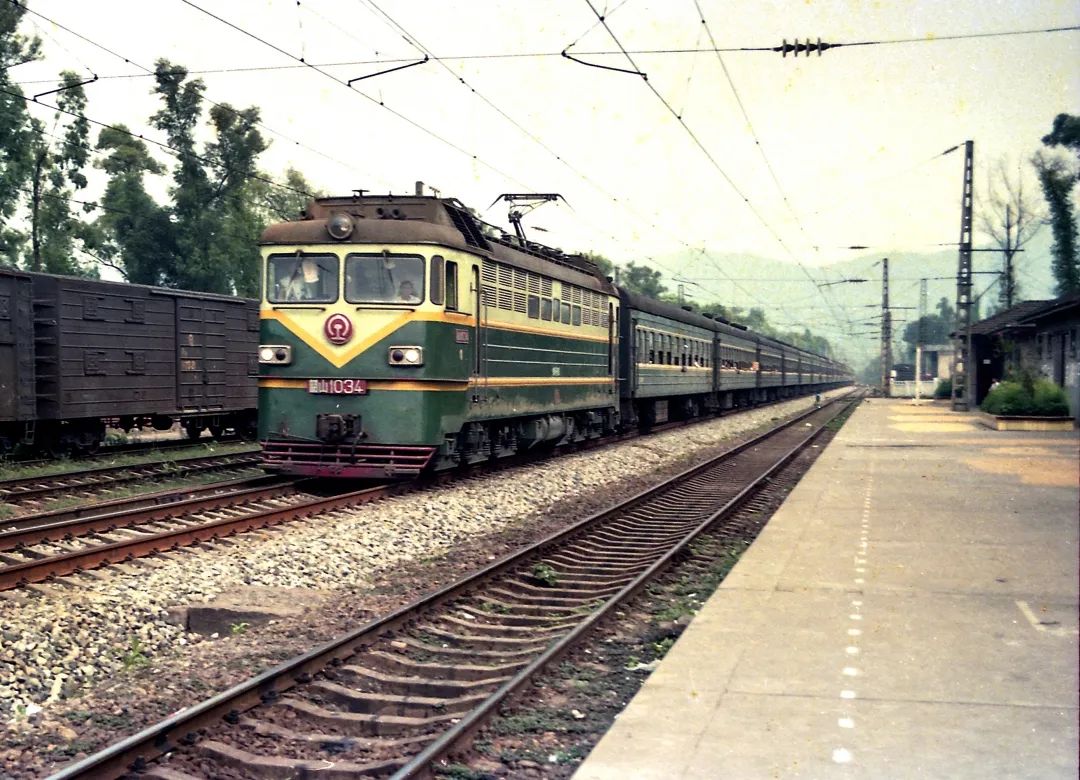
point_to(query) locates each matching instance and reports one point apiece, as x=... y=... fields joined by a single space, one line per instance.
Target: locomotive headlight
x=340 y=226
x=275 y=354
x=406 y=356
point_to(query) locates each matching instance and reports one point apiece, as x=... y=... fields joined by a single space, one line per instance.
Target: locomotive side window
x=576 y=319
x=534 y=307
x=567 y=314
x=384 y=278
x=545 y=309
x=438 y=278
x=302 y=277
x=451 y=286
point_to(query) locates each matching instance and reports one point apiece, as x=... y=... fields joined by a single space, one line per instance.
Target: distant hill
x=792 y=301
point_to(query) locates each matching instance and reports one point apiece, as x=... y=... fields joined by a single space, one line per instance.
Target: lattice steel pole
x=886 y=330
x=961 y=364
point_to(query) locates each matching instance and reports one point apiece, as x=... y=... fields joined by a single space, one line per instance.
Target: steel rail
x=55 y=526
x=133 y=752
x=157 y=498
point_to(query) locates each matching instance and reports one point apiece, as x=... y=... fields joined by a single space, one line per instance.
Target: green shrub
x=1050 y=400
x=943 y=389
x=1027 y=396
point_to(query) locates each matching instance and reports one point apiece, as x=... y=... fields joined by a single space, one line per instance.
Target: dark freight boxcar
x=16 y=349
x=131 y=355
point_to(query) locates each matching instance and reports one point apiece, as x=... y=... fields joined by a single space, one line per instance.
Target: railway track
x=41 y=547
x=39 y=491
x=401 y=693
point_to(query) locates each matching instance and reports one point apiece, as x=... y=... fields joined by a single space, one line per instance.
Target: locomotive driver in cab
x=407 y=292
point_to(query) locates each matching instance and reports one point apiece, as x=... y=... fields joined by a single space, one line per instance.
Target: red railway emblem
x=338 y=329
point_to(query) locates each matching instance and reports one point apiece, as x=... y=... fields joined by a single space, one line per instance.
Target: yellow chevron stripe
x=340 y=356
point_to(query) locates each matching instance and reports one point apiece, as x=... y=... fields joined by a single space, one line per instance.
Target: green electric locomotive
x=400 y=334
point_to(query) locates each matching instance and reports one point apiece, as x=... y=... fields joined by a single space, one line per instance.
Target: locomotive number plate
x=338 y=386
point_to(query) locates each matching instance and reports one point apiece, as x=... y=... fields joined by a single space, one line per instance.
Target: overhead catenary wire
x=694 y=137
x=148 y=73
x=413 y=40
x=599 y=53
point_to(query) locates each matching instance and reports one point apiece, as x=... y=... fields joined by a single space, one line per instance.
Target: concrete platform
x=911 y=611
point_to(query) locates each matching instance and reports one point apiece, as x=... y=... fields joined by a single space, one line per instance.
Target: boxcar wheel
x=193 y=430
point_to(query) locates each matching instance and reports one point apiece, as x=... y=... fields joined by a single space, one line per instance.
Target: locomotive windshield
x=302 y=277
x=384 y=278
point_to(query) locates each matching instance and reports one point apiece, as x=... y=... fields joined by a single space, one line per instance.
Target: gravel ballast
x=100 y=629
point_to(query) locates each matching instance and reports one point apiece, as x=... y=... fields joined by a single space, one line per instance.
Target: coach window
x=545 y=309
x=301 y=277
x=649 y=346
x=384 y=278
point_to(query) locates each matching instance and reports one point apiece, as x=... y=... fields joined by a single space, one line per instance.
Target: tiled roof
x=1022 y=313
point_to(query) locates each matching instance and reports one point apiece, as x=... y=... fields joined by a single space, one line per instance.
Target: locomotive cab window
x=302 y=278
x=384 y=278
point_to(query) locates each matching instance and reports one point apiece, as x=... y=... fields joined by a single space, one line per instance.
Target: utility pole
x=886 y=330
x=962 y=343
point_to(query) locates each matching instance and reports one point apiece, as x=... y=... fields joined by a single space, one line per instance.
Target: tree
x=214 y=229
x=282 y=203
x=15 y=129
x=134 y=233
x=642 y=280
x=57 y=175
x=929 y=329
x=1009 y=217
x=1058 y=177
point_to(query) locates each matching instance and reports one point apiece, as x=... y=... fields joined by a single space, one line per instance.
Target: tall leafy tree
x=15 y=129
x=134 y=233
x=1058 y=178
x=56 y=229
x=214 y=229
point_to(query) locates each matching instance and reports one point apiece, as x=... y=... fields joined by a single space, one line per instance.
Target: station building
x=1039 y=335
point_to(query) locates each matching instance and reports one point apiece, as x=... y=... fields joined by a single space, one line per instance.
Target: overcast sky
x=852 y=136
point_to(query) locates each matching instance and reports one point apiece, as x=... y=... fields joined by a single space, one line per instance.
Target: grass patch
x=66 y=465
